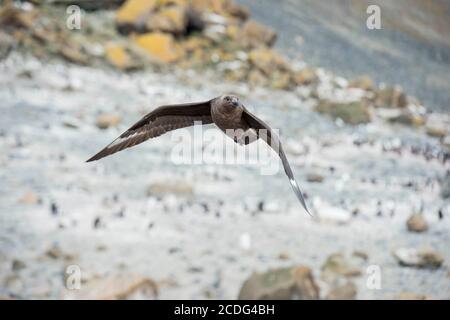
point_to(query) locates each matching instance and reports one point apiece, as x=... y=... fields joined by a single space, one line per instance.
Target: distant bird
x=226 y=112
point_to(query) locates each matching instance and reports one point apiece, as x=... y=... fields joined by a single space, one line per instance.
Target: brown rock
x=18 y=265
x=107 y=120
x=417 y=223
x=285 y=283
x=239 y=11
x=408 y=118
x=172 y=19
x=363 y=82
x=405 y=295
x=256 y=35
x=119 y=287
x=391 y=97
x=305 y=76
x=436 y=131
x=344 y=292
x=418 y=258
x=352 y=113
x=160 y=46
x=283 y=255
x=266 y=60
x=314 y=177
x=74 y=55
x=178 y=188
x=337 y=265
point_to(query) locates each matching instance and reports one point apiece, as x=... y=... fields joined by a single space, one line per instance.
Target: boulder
x=409 y=118
x=391 y=97
x=346 y=291
x=418 y=258
x=363 y=82
x=266 y=60
x=314 y=177
x=133 y=14
x=281 y=284
x=405 y=295
x=178 y=188
x=417 y=223
x=436 y=130
x=172 y=19
x=160 y=46
x=305 y=76
x=336 y=265
x=355 y=112
x=119 y=287
x=254 y=35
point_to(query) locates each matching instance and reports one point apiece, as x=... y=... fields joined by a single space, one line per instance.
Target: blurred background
x=364 y=118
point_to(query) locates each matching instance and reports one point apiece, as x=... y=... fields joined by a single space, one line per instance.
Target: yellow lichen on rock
x=134 y=12
x=117 y=56
x=160 y=46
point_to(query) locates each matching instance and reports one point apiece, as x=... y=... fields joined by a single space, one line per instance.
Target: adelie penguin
x=226 y=112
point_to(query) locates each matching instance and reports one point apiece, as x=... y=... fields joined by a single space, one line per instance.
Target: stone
x=172 y=19
x=417 y=223
x=337 y=265
x=283 y=255
x=305 y=77
x=437 y=131
x=107 y=120
x=74 y=54
x=266 y=60
x=29 y=198
x=344 y=292
x=117 y=56
x=364 y=82
x=361 y=254
x=405 y=295
x=119 y=287
x=178 y=188
x=391 y=97
x=409 y=118
x=352 y=112
x=17 y=265
x=133 y=14
x=314 y=177
x=160 y=46
x=256 y=35
x=418 y=258
x=281 y=284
